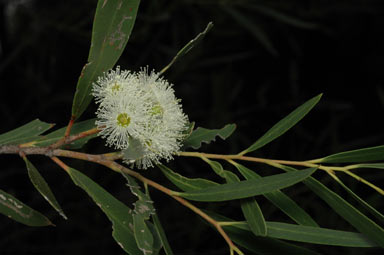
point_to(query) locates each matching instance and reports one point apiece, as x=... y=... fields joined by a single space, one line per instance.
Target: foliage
x=137 y=229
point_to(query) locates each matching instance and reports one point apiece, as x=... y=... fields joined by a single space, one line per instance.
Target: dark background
x=252 y=69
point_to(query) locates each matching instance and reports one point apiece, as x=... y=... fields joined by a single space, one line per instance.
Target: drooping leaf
x=18 y=211
x=315 y=235
x=25 y=133
x=240 y=234
x=144 y=205
x=355 y=156
x=77 y=128
x=203 y=135
x=248 y=188
x=118 y=213
x=160 y=233
x=184 y=183
x=284 y=125
x=112 y=27
x=281 y=200
x=348 y=212
x=143 y=235
x=367 y=206
x=42 y=186
x=157 y=241
x=250 y=208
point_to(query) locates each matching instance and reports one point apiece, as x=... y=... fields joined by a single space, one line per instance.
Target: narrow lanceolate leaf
x=18 y=211
x=280 y=200
x=254 y=216
x=143 y=235
x=184 y=183
x=239 y=233
x=250 y=208
x=42 y=186
x=112 y=27
x=118 y=213
x=358 y=220
x=189 y=46
x=162 y=235
x=315 y=235
x=248 y=188
x=284 y=125
x=203 y=135
x=367 y=206
x=25 y=133
x=356 y=156
x=144 y=205
x=77 y=128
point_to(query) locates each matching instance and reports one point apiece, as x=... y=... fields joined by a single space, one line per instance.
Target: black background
x=251 y=73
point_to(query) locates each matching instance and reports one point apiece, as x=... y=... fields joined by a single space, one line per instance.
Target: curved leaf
x=112 y=27
x=249 y=206
x=143 y=235
x=248 y=188
x=18 y=211
x=361 y=222
x=284 y=125
x=355 y=156
x=184 y=183
x=203 y=135
x=42 y=186
x=25 y=133
x=118 y=213
x=280 y=200
x=77 y=128
x=317 y=235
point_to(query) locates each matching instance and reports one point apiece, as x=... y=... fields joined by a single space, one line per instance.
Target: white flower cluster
x=139 y=114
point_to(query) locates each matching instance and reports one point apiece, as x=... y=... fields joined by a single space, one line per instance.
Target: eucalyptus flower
x=139 y=113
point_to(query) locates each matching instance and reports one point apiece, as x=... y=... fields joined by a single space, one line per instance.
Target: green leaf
x=201 y=135
x=369 y=165
x=77 y=128
x=254 y=216
x=25 y=133
x=249 y=206
x=112 y=27
x=284 y=125
x=358 y=220
x=143 y=235
x=355 y=156
x=118 y=213
x=367 y=206
x=189 y=46
x=42 y=186
x=157 y=241
x=184 y=183
x=280 y=200
x=239 y=233
x=162 y=235
x=317 y=235
x=144 y=205
x=18 y=211
x=248 y=188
